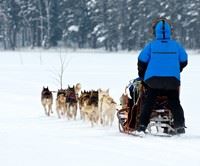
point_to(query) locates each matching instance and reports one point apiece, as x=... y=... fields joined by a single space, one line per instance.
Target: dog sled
x=161 y=119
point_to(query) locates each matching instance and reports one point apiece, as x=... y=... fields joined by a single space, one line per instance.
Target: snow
x=28 y=137
x=73 y=28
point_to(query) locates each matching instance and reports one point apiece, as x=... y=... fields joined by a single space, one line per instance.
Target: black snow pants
x=173 y=102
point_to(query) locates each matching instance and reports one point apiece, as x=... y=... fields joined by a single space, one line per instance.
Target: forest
x=110 y=24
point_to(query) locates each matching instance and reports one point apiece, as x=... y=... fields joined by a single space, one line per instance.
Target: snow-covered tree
x=112 y=24
x=10 y=17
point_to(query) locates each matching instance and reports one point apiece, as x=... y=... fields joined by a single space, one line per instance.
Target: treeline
x=111 y=24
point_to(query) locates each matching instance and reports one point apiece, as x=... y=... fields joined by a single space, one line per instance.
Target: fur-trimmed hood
x=162 y=30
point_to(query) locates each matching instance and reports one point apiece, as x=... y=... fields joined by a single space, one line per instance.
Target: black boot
x=141 y=128
x=180 y=130
x=141 y=131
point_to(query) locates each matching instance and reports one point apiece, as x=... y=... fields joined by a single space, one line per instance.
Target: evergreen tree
x=112 y=24
x=31 y=22
x=124 y=23
x=55 y=29
x=133 y=24
x=10 y=9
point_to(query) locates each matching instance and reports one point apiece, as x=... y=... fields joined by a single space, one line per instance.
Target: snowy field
x=29 y=138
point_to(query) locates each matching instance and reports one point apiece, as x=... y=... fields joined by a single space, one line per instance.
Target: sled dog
x=47 y=100
x=107 y=107
x=67 y=100
x=88 y=103
x=71 y=102
x=124 y=101
x=61 y=102
x=83 y=100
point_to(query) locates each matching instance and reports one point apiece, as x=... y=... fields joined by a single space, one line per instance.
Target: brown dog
x=61 y=102
x=83 y=100
x=67 y=101
x=88 y=103
x=71 y=102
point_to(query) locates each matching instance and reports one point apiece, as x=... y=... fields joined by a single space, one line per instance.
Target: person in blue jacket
x=159 y=65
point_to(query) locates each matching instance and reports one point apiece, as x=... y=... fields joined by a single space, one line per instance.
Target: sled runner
x=161 y=119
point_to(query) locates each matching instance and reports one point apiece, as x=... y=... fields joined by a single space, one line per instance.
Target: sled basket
x=129 y=116
x=161 y=120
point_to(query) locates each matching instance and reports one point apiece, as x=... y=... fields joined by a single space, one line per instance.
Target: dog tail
x=125 y=92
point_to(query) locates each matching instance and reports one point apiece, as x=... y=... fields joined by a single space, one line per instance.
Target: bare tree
x=59 y=73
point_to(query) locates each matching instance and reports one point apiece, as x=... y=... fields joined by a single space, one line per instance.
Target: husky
x=71 y=102
x=93 y=103
x=88 y=103
x=61 y=102
x=83 y=101
x=107 y=108
x=67 y=100
x=47 y=100
x=77 y=89
x=101 y=93
x=124 y=101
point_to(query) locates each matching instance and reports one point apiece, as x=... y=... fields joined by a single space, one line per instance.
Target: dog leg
x=111 y=119
x=58 y=110
x=75 y=111
x=51 y=109
x=83 y=116
x=68 y=111
x=91 y=118
x=107 y=120
x=45 y=110
x=92 y=122
x=103 y=119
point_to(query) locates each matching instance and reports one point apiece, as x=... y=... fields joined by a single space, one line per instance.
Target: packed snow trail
x=28 y=137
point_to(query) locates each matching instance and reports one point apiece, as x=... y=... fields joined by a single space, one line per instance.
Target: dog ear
x=107 y=90
x=78 y=85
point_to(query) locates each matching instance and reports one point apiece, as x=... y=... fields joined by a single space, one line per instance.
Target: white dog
x=107 y=108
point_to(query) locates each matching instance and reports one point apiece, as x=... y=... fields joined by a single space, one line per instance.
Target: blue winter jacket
x=162 y=60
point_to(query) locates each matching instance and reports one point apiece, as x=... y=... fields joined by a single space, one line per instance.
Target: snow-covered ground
x=29 y=138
